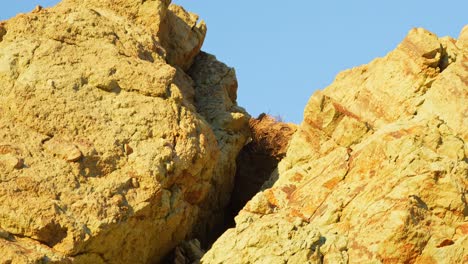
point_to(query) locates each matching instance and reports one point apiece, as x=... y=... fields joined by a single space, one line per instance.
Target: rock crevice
x=120 y=142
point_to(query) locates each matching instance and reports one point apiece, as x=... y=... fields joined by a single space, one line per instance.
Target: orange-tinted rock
x=377 y=170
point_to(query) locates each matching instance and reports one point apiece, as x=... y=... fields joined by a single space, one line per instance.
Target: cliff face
x=377 y=171
x=118 y=137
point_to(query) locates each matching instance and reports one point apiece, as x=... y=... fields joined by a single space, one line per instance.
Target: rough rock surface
x=187 y=252
x=259 y=158
x=215 y=97
x=377 y=172
x=108 y=153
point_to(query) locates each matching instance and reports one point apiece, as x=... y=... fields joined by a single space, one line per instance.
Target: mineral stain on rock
x=122 y=142
x=378 y=168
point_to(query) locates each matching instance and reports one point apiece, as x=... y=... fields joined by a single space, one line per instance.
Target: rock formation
x=377 y=171
x=118 y=137
x=256 y=161
x=259 y=158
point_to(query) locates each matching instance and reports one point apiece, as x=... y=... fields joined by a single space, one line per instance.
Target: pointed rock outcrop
x=377 y=171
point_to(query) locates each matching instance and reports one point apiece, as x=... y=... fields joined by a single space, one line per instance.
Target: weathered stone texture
x=377 y=172
x=259 y=158
x=105 y=156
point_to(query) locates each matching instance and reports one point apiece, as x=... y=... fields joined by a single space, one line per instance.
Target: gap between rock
x=255 y=164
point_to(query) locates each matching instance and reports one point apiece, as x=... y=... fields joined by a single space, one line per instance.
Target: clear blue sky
x=285 y=50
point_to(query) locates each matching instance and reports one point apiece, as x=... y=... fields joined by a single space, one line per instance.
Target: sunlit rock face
x=118 y=137
x=377 y=171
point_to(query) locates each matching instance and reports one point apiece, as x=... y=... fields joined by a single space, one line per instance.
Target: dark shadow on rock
x=258 y=160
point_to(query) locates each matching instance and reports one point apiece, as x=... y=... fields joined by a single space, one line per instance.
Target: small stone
x=51 y=84
x=11 y=162
x=63 y=149
x=19 y=163
x=128 y=149
x=74 y=155
x=37 y=9
x=135 y=183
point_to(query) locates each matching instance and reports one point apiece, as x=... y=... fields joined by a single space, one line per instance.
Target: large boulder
x=110 y=152
x=377 y=171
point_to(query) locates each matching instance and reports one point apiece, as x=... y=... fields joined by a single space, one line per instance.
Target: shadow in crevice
x=255 y=164
x=258 y=160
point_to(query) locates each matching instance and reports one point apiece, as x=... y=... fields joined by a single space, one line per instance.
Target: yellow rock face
x=376 y=173
x=105 y=156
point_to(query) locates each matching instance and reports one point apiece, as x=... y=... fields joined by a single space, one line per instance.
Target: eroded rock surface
x=377 y=172
x=259 y=158
x=108 y=153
